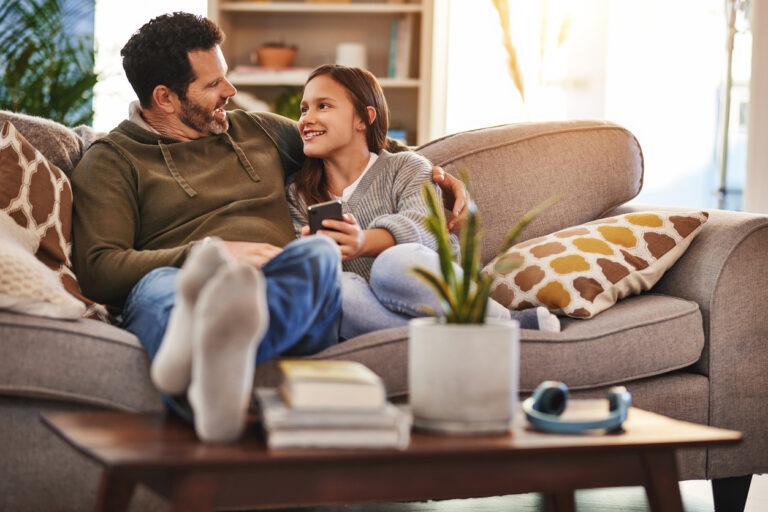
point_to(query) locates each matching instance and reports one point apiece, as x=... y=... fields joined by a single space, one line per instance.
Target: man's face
x=203 y=109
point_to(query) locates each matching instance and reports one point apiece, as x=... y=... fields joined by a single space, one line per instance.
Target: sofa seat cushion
x=639 y=337
x=83 y=360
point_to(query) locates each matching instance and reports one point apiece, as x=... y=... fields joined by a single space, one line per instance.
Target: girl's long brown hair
x=364 y=91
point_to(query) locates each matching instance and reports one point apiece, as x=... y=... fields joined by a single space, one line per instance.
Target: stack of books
x=331 y=404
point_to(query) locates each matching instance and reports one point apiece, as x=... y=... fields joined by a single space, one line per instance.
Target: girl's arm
x=295 y=205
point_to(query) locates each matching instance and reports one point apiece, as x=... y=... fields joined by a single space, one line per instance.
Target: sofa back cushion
x=593 y=166
x=62 y=146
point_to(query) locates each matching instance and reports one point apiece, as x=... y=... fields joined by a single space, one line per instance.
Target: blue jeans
x=394 y=294
x=303 y=296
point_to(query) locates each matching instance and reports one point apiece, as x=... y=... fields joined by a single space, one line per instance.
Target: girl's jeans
x=395 y=294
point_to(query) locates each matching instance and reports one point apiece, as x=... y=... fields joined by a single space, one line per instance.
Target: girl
x=343 y=123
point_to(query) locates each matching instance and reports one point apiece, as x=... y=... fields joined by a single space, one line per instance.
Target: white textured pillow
x=26 y=284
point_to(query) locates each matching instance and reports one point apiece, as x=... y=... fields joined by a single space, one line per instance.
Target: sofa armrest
x=725 y=270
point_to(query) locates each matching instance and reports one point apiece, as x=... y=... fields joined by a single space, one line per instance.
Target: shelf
x=297 y=77
x=309 y=8
x=382 y=27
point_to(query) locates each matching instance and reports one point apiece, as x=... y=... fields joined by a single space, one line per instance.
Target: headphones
x=544 y=407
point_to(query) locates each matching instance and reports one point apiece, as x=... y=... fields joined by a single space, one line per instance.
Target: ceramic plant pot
x=463 y=378
x=275 y=57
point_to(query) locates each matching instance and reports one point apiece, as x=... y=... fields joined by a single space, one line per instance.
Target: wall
x=756 y=194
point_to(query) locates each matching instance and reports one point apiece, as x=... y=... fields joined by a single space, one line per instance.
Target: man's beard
x=201 y=119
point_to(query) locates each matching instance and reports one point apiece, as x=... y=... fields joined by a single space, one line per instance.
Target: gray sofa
x=694 y=348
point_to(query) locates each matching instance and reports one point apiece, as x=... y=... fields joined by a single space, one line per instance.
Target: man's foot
x=172 y=365
x=231 y=317
x=548 y=321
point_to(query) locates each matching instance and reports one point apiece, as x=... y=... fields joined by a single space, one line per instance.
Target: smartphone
x=321 y=211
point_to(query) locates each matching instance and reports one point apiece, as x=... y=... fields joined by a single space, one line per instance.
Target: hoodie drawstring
x=174 y=172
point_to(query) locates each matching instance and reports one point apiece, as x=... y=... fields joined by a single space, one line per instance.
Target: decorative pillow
x=37 y=195
x=583 y=270
x=26 y=284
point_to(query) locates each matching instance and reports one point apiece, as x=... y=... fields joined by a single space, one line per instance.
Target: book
x=395 y=24
x=403 y=47
x=275 y=413
x=338 y=438
x=286 y=427
x=330 y=384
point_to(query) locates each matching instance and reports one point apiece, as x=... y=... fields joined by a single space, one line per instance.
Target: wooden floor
x=697 y=497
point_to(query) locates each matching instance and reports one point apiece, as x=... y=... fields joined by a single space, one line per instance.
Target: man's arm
x=455 y=196
x=455 y=193
x=105 y=223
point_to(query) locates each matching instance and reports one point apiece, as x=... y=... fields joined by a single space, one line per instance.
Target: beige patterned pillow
x=583 y=270
x=37 y=195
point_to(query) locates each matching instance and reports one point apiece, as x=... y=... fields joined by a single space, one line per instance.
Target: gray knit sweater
x=387 y=197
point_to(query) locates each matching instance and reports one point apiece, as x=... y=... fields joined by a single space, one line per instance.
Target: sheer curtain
x=114 y=24
x=656 y=67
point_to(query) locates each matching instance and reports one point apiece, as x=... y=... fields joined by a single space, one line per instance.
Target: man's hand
x=455 y=195
x=253 y=253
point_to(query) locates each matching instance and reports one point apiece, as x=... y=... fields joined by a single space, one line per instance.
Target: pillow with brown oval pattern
x=583 y=270
x=37 y=195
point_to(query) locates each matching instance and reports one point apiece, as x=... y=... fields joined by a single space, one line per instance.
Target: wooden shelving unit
x=317 y=29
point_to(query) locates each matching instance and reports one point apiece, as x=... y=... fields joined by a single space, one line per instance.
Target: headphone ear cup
x=617 y=398
x=550 y=397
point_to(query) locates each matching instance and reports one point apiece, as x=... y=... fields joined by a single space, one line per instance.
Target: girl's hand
x=304 y=231
x=347 y=233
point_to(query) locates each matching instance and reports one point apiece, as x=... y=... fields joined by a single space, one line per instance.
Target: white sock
x=172 y=365
x=547 y=321
x=231 y=317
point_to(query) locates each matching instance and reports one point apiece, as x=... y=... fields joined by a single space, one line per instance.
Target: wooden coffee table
x=165 y=455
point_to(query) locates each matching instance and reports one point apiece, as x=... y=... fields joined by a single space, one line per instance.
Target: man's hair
x=157 y=53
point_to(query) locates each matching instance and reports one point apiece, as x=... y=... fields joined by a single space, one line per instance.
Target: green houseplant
x=46 y=69
x=465 y=297
x=463 y=368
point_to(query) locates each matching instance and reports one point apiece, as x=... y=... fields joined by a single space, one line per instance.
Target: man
x=183 y=183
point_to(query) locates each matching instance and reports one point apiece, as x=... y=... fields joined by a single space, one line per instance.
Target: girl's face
x=328 y=122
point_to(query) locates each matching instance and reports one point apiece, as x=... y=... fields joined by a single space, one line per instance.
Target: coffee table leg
x=115 y=492
x=661 y=486
x=560 y=502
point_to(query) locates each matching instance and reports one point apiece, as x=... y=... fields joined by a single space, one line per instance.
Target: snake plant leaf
x=437 y=225
x=465 y=300
x=507 y=263
x=444 y=292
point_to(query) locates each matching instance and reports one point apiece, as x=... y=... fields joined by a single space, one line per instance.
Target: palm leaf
x=45 y=68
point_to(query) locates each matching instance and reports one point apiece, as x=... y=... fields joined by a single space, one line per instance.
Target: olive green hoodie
x=141 y=200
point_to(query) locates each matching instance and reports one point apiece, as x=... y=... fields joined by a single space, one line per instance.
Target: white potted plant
x=463 y=368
